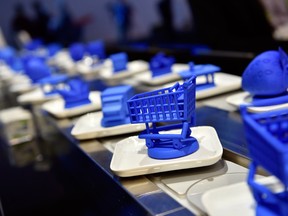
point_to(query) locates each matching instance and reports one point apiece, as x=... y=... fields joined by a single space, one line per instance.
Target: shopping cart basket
x=267 y=136
x=172 y=104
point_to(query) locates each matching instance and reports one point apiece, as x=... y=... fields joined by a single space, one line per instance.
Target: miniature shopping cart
x=267 y=136
x=173 y=104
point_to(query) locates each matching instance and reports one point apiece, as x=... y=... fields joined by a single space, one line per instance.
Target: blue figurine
x=114 y=105
x=267 y=74
x=77 y=93
x=77 y=51
x=119 y=62
x=172 y=104
x=161 y=64
x=96 y=48
x=36 y=69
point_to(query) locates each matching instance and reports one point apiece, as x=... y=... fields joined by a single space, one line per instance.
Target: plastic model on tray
x=266 y=134
x=176 y=103
x=76 y=100
x=265 y=78
x=114 y=118
x=121 y=69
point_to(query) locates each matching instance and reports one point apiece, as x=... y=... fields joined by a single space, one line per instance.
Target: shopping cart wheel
x=170 y=153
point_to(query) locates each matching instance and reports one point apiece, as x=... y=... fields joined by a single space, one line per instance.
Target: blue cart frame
x=176 y=103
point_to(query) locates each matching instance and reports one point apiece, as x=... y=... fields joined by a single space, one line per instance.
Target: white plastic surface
x=130 y=156
x=223 y=83
x=89 y=70
x=244 y=98
x=147 y=79
x=235 y=199
x=133 y=68
x=35 y=97
x=89 y=126
x=22 y=88
x=57 y=107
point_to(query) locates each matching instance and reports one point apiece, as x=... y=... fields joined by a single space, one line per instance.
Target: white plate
x=35 y=97
x=147 y=79
x=244 y=98
x=133 y=68
x=235 y=199
x=57 y=107
x=223 y=83
x=22 y=88
x=130 y=156
x=89 y=126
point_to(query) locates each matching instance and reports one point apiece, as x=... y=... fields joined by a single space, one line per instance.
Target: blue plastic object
x=33 y=44
x=207 y=70
x=267 y=74
x=7 y=53
x=267 y=138
x=77 y=51
x=15 y=63
x=51 y=84
x=161 y=64
x=77 y=93
x=119 y=61
x=53 y=48
x=114 y=105
x=176 y=103
x=96 y=48
x=36 y=69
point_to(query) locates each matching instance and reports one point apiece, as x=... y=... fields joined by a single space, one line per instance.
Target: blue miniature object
x=76 y=95
x=176 y=103
x=96 y=48
x=207 y=70
x=267 y=139
x=77 y=51
x=119 y=62
x=53 y=48
x=15 y=63
x=161 y=64
x=114 y=105
x=6 y=53
x=51 y=84
x=33 y=44
x=267 y=74
x=36 y=69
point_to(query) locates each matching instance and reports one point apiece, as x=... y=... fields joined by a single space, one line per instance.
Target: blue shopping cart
x=172 y=104
x=267 y=136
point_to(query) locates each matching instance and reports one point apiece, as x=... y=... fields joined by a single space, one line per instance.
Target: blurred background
x=247 y=25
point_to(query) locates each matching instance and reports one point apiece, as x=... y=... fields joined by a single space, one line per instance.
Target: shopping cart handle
x=175 y=86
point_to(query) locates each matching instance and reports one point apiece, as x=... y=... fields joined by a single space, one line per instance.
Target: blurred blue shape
x=119 y=61
x=114 y=105
x=51 y=84
x=36 y=69
x=53 y=48
x=33 y=44
x=77 y=93
x=96 y=48
x=7 y=53
x=77 y=51
x=161 y=64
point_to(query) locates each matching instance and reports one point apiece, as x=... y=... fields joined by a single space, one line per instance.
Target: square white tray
x=57 y=107
x=130 y=156
x=35 y=97
x=244 y=98
x=89 y=126
x=235 y=199
x=133 y=68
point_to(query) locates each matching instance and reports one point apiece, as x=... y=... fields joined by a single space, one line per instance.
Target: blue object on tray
x=267 y=74
x=77 y=51
x=206 y=70
x=77 y=93
x=114 y=105
x=176 y=103
x=50 y=85
x=36 y=69
x=161 y=64
x=267 y=138
x=96 y=48
x=119 y=62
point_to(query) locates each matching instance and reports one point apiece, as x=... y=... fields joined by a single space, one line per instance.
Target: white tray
x=35 y=97
x=235 y=199
x=130 y=156
x=89 y=126
x=57 y=107
x=91 y=71
x=133 y=68
x=244 y=98
x=147 y=79
x=21 y=88
x=223 y=83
